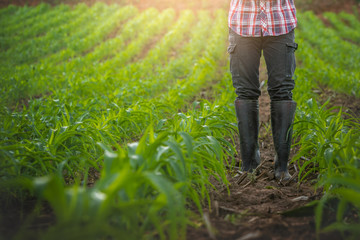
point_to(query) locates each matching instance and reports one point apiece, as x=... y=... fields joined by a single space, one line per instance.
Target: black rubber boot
x=282 y=117
x=247 y=113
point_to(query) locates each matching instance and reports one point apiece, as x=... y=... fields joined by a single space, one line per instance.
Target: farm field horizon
x=118 y=121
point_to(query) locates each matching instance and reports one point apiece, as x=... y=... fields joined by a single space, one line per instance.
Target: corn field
x=118 y=91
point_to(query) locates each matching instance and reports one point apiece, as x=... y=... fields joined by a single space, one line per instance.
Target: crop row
x=18 y=81
x=344 y=30
x=329 y=143
x=333 y=61
x=69 y=35
x=13 y=35
x=13 y=15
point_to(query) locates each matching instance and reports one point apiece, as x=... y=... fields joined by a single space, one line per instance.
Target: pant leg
x=245 y=53
x=280 y=61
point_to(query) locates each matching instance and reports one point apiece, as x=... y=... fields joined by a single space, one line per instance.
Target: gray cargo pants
x=245 y=53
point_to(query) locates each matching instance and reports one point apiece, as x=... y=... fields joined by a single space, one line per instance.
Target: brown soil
x=256 y=209
x=350 y=105
x=320 y=6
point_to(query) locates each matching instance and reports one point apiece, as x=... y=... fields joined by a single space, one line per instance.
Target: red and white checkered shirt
x=250 y=18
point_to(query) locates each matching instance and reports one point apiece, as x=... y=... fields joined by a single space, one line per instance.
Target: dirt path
x=254 y=208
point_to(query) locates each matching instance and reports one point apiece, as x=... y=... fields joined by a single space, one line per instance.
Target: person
x=267 y=26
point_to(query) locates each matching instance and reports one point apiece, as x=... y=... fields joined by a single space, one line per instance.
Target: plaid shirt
x=250 y=18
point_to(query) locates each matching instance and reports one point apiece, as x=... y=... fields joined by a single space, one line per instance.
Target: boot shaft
x=247 y=113
x=282 y=118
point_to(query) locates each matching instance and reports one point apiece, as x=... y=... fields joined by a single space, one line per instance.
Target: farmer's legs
x=280 y=61
x=245 y=53
x=244 y=66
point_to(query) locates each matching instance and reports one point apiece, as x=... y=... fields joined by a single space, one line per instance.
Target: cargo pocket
x=232 y=42
x=233 y=61
x=233 y=52
x=290 y=59
x=231 y=48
